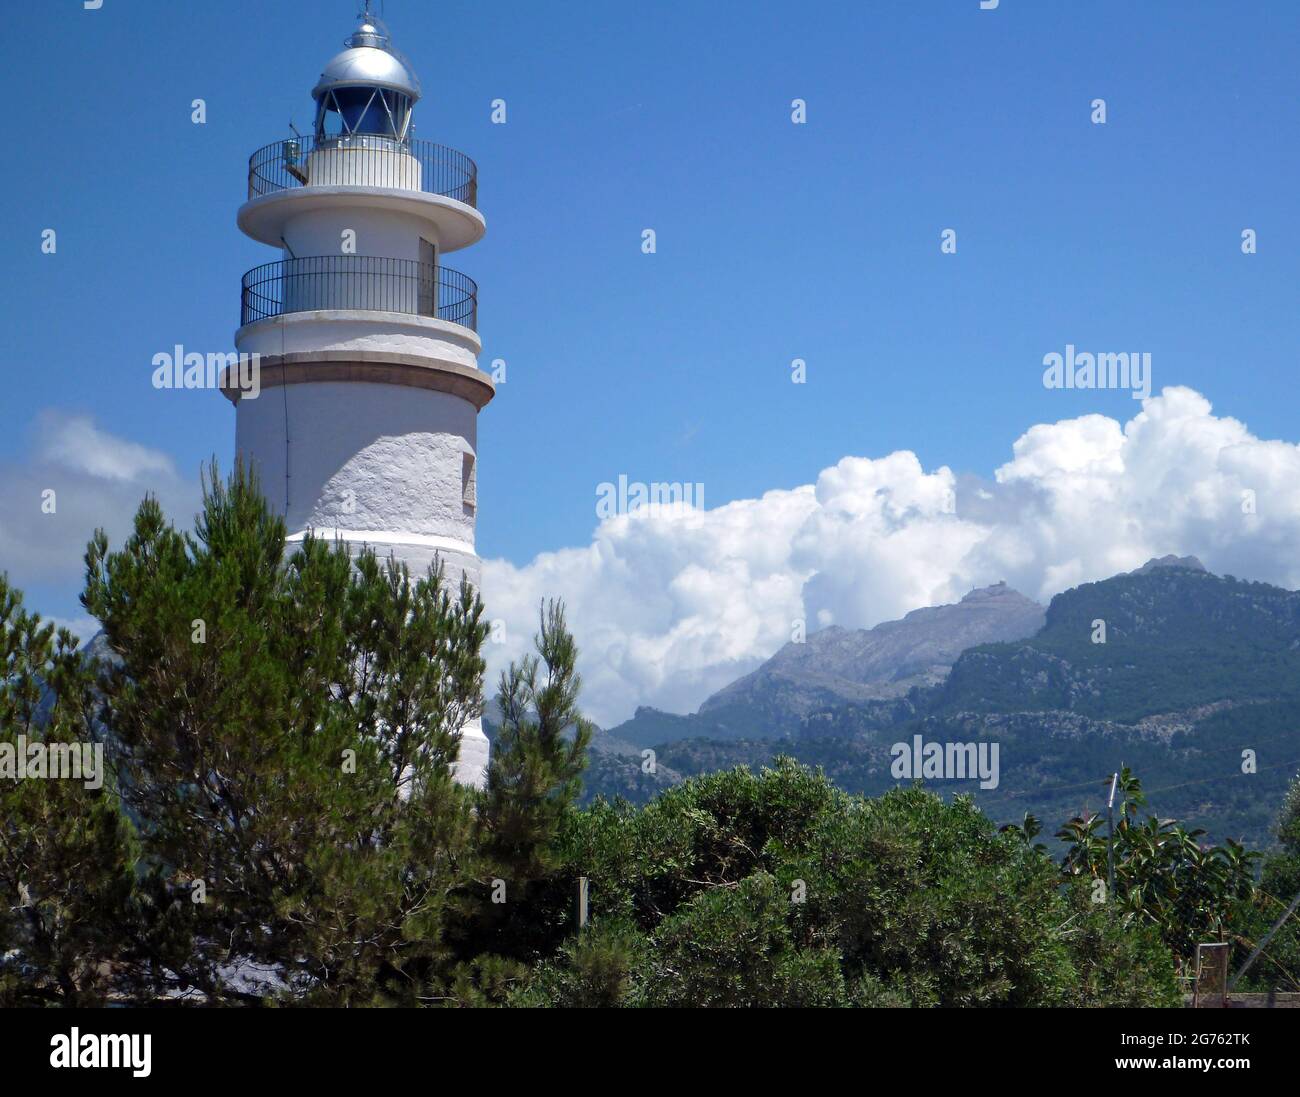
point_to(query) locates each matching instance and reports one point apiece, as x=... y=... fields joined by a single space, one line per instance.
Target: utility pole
x=581 y=911
x=1110 y=837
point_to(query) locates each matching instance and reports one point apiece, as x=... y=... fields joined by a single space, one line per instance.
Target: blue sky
x=775 y=241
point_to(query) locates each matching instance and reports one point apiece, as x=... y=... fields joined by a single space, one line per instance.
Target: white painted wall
x=471 y=769
x=362 y=456
x=378 y=232
x=354 y=164
x=378 y=466
x=353 y=330
x=456 y=224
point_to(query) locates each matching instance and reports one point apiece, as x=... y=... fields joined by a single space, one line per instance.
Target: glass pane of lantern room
x=328 y=122
x=363 y=111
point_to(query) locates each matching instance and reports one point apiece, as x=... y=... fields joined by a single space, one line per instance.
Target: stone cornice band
x=374 y=367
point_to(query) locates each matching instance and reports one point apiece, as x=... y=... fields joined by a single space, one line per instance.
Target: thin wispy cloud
x=77 y=477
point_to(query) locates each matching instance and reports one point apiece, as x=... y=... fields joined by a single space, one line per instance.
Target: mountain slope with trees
x=1191 y=671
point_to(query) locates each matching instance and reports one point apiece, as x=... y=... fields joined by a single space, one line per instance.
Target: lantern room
x=368 y=90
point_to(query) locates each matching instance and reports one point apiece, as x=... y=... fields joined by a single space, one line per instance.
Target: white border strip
x=387 y=537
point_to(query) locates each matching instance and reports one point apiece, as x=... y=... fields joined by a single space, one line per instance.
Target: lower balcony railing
x=367 y=283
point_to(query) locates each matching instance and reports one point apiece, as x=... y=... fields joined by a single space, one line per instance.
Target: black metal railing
x=363 y=161
x=368 y=283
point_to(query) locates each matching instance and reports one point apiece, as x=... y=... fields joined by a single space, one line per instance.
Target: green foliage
x=599 y=968
x=1288 y=824
x=1120 y=960
x=283 y=733
x=78 y=920
x=286 y=730
x=736 y=947
x=737 y=881
x=1164 y=876
x=1279 y=966
x=539 y=753
x=520 y=912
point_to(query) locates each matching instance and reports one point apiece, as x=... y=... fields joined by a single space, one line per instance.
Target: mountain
x=1163 y=638
x=1189 y=678
x=1190 y=563
x=835 y=666
x=838 y=664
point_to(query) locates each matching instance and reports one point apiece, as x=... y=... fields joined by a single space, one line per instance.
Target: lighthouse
x=365 y=427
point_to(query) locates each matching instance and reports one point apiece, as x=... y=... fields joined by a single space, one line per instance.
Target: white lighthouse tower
x=366 y=425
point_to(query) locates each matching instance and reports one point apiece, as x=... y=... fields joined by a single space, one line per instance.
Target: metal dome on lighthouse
x=366 y=425
x=369 y=88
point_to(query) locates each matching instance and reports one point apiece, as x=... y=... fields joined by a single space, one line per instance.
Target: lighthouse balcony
x=363 y=160
x=358 y=283
x=432 y=188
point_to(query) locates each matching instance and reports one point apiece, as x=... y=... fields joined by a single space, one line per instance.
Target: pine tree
x=534 y=777
x=287 y=730
x=73 y=907
x=523 y=907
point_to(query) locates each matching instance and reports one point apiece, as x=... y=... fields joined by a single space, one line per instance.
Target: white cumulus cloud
x=669 y=607
x=672 y=605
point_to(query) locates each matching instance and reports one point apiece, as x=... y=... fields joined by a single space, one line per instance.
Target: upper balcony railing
x=363 y=161
x=361 y=282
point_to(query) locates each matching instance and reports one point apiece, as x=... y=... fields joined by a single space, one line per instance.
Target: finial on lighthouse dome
x=367 y=89
x=371 y=32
